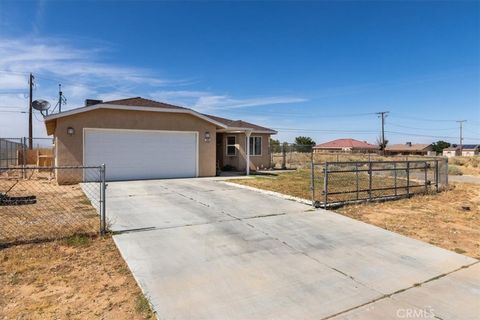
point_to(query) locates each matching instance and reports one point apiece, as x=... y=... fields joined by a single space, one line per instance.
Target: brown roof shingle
x=346 y=143
x=408 y=147
x=142 y=102
x=238 y=123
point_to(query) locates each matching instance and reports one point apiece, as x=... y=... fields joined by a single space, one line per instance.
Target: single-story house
x=470 y=150
x=410 y=149
x=453 y=151
x=346 y=145
x=138 y=138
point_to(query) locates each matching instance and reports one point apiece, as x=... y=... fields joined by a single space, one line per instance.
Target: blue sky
x=320 y=69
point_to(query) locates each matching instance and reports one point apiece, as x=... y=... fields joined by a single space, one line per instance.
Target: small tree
x=275 y=146
x=440 y=145
x=304 y=144
x=382 y=145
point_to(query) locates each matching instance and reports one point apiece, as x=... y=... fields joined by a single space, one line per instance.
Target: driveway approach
x=205 y=249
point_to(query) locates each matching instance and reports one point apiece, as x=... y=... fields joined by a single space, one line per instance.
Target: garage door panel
x=130 y=154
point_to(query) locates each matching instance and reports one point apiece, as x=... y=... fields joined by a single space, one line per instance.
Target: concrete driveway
x=204 y=249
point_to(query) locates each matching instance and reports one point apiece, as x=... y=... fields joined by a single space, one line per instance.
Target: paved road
x=203 y=249
x=464 y=179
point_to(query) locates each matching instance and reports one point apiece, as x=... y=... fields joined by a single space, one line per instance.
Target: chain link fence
x=35 y=207
x=25 y=151
x=295 y=156
x=339 y=183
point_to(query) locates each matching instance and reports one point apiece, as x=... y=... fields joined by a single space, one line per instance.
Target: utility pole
x=382 y=115
x=460 y=122
x=30 y=113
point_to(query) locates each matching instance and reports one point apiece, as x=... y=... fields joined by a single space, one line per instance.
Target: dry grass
x=295 y=160
x=297 y=183
x=59 y=211
x=466 y=165
x=450 y=219
x=77 y=278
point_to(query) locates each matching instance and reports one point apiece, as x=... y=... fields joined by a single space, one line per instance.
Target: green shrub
x=454 y=170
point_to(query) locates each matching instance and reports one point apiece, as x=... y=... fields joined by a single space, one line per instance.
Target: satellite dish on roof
x=41 y=105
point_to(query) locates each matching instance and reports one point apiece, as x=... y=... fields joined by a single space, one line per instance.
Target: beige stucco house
x=451 y=152
x=138 y=138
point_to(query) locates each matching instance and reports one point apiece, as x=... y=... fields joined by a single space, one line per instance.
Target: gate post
x=325 y=185
x=103 y=187
x=436 y=175
x=426 y=176
x=312 y=179
x=408 y=178
x=370 y=181
x=356 y=180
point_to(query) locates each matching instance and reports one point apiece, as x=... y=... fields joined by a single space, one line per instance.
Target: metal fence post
x=395 y=178
x=426 y=176
x=312 y=178
x=102 y=200
x=325 y=185
x=436 y=175
x=356 y=179
x=370 y=181
x=408 y=178
x=446 y=172
x=24 y=157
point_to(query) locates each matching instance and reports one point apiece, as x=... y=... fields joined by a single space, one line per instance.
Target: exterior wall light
x=207 y=136
x=70 y=131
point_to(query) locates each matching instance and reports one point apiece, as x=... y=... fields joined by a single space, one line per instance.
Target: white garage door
x=142 y=154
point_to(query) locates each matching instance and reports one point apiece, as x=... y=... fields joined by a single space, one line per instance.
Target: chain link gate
x=361 y=181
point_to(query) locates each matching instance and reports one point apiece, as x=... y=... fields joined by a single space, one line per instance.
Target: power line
x=421 y=119
x=417 y=128
x=10 y=111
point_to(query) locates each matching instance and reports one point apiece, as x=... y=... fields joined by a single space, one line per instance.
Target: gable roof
x=408 y=147
x=142 y=104
x=346 y=143
x=240 y=124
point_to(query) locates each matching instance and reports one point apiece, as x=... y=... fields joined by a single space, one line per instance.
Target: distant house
x=410 y=149
x=470 y=150
x=453 y=151
x=467 y=150
x=346 y=145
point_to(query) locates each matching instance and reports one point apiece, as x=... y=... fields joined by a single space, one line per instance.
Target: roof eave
x=133 y=108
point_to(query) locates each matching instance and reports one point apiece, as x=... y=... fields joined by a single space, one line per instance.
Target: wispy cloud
x=84 y=73
x=208 y=101
x=59 y=59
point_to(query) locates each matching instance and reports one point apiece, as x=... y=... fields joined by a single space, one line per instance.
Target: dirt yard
x=465 y=166
x=76 y=278
x=450 y=219
x=57 y=211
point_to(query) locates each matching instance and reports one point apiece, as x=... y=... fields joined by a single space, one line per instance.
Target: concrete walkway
x=202 y=249
x=464 y=179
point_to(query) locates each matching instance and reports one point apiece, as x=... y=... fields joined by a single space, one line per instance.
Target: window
x=256 y=146
x=231 y=146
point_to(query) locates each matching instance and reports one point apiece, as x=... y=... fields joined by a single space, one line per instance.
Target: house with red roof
x=346 y=145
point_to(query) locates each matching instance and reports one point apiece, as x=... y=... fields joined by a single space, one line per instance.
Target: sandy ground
x=59 y=211
x=450 y=220
x=77 y=278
